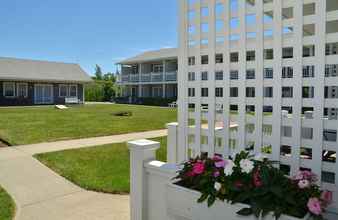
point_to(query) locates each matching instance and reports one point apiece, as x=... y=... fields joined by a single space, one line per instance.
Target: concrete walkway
x=41 y=194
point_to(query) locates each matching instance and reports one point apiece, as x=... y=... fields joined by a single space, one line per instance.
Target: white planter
x=182 y=205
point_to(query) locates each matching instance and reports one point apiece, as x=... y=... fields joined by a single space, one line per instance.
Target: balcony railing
x=150 y=77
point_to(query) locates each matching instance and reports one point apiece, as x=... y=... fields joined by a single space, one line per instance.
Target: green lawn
x=7 y=207
x=103 y=168
x=45 y=124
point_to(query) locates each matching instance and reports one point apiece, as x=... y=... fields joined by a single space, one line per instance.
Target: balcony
x=150 y=77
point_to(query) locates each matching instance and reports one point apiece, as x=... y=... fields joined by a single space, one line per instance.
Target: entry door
x=43 y=94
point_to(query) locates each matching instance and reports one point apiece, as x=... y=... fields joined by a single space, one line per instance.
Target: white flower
x=246 y=165
x=303 y=184
x=229 y=167
x=217 y=186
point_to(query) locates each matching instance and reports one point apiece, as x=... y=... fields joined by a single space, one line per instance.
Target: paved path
x=41 y=194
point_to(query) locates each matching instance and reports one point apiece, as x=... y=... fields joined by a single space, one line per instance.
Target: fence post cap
x=143 y=144
x=172 y=124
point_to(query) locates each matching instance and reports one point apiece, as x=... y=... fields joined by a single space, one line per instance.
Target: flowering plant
x=256 y=182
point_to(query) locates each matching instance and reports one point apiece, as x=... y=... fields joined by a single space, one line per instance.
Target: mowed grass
x=45 y=124
x=7 y=206
x=102 y=168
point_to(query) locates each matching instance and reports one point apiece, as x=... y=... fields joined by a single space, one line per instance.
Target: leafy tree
x=98 y=72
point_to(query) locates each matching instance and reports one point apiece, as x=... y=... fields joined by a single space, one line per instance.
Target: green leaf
x=203 y=197
x=245 y=212
x=211 y=200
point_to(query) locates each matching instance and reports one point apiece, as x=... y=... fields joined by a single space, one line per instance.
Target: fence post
x=140 y=151
x=172 y=143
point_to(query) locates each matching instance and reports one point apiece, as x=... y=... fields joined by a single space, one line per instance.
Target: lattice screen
x=253 y=75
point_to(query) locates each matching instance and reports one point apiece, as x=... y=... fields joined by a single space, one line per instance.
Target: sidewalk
x=41 y=194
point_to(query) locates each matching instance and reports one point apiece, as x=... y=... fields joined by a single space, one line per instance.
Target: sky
x=87 y=32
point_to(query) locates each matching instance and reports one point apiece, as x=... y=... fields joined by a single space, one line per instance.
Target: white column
x=172 y=143
x=139 y=82
x=163 y=90
x=141 y=151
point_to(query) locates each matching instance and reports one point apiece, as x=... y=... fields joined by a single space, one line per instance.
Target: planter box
x=182 y=205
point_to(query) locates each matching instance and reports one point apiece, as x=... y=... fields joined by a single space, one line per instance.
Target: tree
x=98 y=72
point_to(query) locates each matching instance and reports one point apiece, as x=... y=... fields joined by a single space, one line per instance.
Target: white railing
x=150 y=77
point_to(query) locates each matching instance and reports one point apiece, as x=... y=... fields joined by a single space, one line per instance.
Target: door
x=43 y=94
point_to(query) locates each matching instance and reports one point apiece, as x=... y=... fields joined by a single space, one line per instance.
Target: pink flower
x=190 y=174
x=257 y=179
x=220 y=164
x=216 y=173
x=302 y=184
x=314 y=206
x=326 y=197
x=198 y=168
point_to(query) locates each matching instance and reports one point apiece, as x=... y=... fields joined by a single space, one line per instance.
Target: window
x=234 y=23
x=331 y=92
x=204 y=92
x=287 y=52
x=204 y=42
x=205 y=27
x=286 y=131
x=9 y=89
x=191 y=15
x=250 y=56
x=63 y=90
x=309 y=51
x=287 y=92
x=204 y=59
x=219 y=75
x=219 y=58
x=250 y=92
x=219 y=8
x=191 y=92
x=268 y=92
x=287 y=13
x=331 y=113
x=204 y=76
x=308 y=91
x=331 y=70
x=219 y=25
x=191 y=76
x=234 y=57
x=330 y=135
x=267 y=109
x=287 y=72
x=250 y=74
x=157 y=68
x=268 y=54
x=73 y=91
x=219 y=92
x=309 y=71
x=307 y=133
x=233 y=92
x=250 y=109
x=191 y=29
x=309 y=30
x=331 y=49
x=309 y=9
x=191 y=61
x=234 y=75
x=205 y=11
x=22 y=90
x=268 y=73
x=285 y=150
x=219 y=39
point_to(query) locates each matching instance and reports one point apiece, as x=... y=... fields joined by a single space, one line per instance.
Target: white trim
x=17 y=89
x=44 y=101
x=4 y=89
x=69 y=89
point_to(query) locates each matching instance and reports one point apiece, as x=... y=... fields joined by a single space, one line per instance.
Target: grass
x=45 y=124
x=7 y=206
x=102 y=168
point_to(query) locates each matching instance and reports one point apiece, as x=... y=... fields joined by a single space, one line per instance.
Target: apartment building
x=152 y=74
x=261 y=75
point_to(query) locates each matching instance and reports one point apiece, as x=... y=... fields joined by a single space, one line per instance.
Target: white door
x=43 y=94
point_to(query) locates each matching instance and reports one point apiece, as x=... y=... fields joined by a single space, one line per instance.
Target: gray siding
x=29 y=100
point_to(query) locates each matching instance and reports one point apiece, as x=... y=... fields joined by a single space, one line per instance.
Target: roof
x=152 y=56
x=34 y=70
